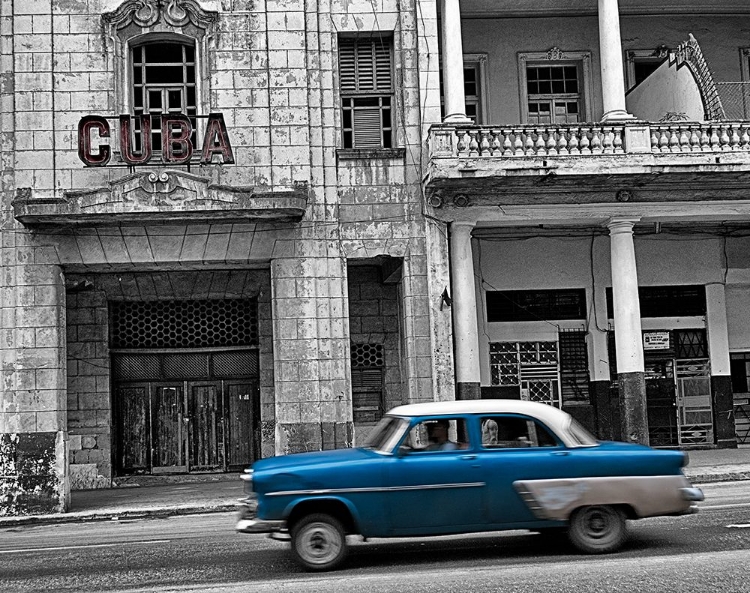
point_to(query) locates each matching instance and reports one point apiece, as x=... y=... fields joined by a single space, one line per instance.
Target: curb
x=112 y=515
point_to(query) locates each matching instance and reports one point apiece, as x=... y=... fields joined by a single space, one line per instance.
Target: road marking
x=58 y=548
x=743 y=526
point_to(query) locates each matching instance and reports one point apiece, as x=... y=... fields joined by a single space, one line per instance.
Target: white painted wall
x=566 y=262
x=669 y=89
x=720 y=38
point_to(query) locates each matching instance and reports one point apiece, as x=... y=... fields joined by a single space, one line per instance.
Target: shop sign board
x=176 y=144
x=656 y=340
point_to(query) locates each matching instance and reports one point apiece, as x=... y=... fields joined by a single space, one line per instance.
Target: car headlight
x=247 y=479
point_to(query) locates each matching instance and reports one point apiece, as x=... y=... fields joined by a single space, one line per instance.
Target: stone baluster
x=551 y=141
x=674 y=139
x=573 y=142
x=734 y=137
x=744 y=138
x=473 y=144
x=529 y=143
x=484 y=142
x=705 y=139
x=654 y=139
x=585 y=143
x=664 y=140
x=460 y=144
x=695 y=141
x=518 y=144
x=507 y=144
x=607 y=141
x=684 y=138
x=562 y=142
x=596 y=141
x=617 y=142
x=715 y=142
x=540 y=146
x=724 y=138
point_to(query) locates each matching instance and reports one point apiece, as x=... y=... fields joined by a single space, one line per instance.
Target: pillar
x=610 y=58
x=453 y=63
x=721 y=376
x=628 y=336
x=464 y=305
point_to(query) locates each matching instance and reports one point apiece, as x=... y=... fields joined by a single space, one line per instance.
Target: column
x=721 y=376
x=464 y=305
x=610 y=58
x=453 y=63
x=628 y=337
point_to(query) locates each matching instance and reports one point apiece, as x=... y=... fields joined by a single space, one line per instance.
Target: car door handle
x=561 y=453
x=468 y=457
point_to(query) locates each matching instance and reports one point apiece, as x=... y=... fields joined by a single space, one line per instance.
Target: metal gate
x=694 y=409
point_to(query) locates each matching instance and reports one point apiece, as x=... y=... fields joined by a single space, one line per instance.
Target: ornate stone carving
x=554 y=53
x=147 y=13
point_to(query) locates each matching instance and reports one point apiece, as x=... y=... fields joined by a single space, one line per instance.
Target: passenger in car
x=438 y=435
x=489 y=433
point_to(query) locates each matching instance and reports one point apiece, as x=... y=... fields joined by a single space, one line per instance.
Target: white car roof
x=549 y=415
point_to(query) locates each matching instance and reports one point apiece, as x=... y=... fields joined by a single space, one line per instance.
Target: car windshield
x=386 y=434
x=580 y=435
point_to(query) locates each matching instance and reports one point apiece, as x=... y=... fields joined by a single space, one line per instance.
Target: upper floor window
x=640 y=63
x=475 y=94
x=555 y=87
x=163 y=82
x=366 y=71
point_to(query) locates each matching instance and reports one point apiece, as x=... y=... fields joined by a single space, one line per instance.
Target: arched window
x=163 y=75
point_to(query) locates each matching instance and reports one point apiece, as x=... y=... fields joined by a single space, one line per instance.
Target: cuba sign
x=176 y=144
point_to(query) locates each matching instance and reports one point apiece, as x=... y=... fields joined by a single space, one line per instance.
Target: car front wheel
x=597 y=529
x=319 y=542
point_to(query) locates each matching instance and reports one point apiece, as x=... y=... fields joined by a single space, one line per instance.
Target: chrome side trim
x=692 y=494
x=376 y=489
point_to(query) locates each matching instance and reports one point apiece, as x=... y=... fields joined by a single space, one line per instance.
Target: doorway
x=188 y=425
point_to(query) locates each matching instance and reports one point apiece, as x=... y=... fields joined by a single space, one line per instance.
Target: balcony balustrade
x=586 y=140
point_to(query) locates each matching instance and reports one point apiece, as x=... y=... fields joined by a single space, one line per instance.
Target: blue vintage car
x=463 y=467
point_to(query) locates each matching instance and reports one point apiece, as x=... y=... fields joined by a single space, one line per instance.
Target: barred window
x=365 y=66
x=163 y=82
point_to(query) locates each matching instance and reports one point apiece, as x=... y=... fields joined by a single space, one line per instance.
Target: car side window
x=504 y=432
x=437 y=434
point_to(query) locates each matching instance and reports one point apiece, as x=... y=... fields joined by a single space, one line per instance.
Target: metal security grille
x=183 y=324
x=163 y=83
x=574 y=366
x=182 y=366
x=532 y=366
x=368 y=365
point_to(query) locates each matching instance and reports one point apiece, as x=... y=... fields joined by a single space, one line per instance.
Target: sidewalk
x=152 y=496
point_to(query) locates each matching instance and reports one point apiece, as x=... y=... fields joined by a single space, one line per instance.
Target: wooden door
x=168 y=433
x=133 y=418
x=205 y=427
x=243 y=413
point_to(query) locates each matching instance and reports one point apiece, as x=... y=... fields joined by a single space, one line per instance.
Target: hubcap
x=319 y=543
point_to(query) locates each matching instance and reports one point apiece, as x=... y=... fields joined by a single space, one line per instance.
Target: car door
x=432 y=490
x=524 y=449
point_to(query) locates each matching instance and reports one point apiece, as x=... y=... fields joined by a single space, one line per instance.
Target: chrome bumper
x=692 y=494
x=248 y=522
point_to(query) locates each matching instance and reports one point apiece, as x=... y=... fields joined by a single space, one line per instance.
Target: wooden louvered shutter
x=366 y=87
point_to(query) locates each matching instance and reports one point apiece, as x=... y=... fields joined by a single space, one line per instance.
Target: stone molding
x=163 y=197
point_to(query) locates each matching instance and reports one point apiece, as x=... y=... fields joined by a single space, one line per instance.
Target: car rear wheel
x=597 y=529
x=319 y=542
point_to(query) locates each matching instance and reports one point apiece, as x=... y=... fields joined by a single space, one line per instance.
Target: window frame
x=195 y=118
x=348 y=95
x=634 y=56
x=556 y=57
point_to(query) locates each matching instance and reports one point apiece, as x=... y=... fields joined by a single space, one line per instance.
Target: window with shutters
x=365 y=66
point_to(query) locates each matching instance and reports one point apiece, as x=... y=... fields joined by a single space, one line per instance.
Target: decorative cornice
x=147 y=13
x=689 y=53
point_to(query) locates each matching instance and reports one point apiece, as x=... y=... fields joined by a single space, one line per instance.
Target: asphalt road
x=709 y=551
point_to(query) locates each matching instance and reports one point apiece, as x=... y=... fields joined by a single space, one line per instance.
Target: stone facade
x=292 y=213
